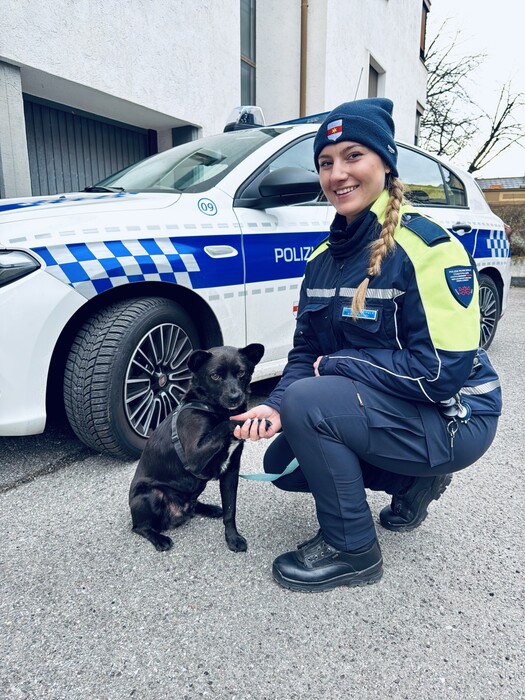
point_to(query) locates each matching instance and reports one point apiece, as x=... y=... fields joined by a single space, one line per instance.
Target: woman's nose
x=338 y=171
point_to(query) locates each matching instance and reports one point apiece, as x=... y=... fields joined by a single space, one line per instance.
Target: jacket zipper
x=339 y=338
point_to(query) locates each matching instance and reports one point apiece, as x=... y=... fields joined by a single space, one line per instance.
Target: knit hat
x=368 y=122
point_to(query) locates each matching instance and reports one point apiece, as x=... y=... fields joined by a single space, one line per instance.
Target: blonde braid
x=384 y=244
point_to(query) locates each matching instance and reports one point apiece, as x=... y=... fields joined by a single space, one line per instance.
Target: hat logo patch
x=334 y=130
x=389 y=148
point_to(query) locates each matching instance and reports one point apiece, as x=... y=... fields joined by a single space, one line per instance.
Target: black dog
x=194 y=445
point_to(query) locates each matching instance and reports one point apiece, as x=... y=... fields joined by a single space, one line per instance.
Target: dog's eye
x=215 y=377
x=241 y=373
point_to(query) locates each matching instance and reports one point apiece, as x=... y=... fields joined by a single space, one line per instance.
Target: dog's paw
x=240 y=423
x=163 y=543
x=237 y=543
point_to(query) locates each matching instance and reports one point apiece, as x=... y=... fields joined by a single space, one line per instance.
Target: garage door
x=69 y=149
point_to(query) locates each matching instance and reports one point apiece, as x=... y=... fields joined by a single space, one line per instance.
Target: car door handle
x=220 y=251
x=462 y=228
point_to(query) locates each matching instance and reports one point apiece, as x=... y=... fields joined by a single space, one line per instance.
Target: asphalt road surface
x=90 y=611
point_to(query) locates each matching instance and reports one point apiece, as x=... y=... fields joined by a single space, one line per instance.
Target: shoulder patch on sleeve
x=429 y=232
x=460 y=280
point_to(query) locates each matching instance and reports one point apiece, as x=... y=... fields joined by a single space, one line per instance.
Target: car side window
x=455 y=189
x=300 y=155
x=427 y=182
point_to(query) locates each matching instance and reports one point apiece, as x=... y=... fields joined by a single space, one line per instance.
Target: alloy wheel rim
x=157 y=377
x=488 y=310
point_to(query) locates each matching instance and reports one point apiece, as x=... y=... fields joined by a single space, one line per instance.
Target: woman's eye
x=324 y=164
x=354 y=155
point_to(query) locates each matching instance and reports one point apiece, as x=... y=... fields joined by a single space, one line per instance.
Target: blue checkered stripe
x=92 y=268
x=497 y=245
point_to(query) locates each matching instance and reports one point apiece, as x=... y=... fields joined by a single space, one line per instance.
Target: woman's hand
x=257 y=429
x=316 y=365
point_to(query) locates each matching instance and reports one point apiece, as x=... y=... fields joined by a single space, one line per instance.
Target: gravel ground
x=89 y=610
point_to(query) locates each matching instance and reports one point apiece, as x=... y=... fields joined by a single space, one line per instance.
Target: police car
x=105 y=292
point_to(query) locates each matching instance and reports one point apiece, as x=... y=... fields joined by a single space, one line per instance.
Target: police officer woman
x=385 y=387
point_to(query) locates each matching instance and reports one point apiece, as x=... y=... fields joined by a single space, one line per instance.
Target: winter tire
x=126 y=372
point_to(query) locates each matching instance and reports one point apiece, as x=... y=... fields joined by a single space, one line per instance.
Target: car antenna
x=358 y=83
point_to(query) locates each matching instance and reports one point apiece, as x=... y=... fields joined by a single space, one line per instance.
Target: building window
x=419 y=116
x=248 y=52
x=422 y=40
x=376 y=78
x=373 y=80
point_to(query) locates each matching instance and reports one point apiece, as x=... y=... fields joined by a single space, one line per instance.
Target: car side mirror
x=283 y=187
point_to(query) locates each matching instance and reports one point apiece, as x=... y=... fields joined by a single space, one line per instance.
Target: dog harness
x=197 y=405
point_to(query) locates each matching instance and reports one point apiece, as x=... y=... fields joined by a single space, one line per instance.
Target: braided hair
x=384 y=244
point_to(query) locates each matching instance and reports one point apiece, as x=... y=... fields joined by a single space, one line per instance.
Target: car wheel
x=490 y=310
x=126 y=371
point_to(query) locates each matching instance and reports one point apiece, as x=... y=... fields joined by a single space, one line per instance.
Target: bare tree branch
x=504 y=131
x=444 y=130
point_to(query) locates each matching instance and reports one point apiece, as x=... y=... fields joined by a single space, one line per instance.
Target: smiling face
x=352 y=177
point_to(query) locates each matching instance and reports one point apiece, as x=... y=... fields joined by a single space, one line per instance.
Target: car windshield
x=192 y=167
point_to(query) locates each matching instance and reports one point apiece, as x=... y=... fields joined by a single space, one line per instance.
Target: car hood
x=26 y=221
x=82 y=204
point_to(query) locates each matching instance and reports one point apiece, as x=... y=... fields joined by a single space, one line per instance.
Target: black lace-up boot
x=317 y=566
x=409 y=507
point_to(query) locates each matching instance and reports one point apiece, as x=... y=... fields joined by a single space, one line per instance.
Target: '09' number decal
x=207 y=207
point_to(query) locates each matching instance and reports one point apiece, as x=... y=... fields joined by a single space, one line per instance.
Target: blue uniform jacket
x=418 y=336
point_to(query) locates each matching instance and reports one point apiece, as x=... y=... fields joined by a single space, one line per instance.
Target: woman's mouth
x=346 y=190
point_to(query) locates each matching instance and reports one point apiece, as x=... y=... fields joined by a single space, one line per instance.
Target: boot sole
x=417 y=523
x=364 y=578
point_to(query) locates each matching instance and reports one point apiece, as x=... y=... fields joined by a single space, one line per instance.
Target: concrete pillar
x=15 y=179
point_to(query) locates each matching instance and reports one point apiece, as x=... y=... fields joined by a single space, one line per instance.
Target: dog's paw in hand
x=236 y=543
x=240 y=423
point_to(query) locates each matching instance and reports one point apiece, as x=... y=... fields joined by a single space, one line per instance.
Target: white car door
x=277 y=242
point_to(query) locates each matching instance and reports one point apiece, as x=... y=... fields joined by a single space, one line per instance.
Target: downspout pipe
x=304 y=46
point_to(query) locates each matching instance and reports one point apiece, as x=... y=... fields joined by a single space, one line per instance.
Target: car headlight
x=15 y=264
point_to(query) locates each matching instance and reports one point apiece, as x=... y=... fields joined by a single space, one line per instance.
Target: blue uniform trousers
x=348 y=437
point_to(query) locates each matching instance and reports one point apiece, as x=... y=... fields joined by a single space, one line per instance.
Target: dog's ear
x=197 y=359
x=253 y=352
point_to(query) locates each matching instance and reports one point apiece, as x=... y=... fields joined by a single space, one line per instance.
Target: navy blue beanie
x=368 y=122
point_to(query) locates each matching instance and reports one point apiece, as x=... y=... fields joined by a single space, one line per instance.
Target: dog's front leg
x=200 y=452
x=229 y=482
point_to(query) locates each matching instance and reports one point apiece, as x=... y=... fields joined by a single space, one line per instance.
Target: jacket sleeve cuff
x=327 y=365
x=272 y=403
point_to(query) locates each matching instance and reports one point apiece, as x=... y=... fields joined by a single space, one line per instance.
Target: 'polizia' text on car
x=104 y=293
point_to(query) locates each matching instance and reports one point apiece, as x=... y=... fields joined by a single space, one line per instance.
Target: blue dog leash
x=272 y=477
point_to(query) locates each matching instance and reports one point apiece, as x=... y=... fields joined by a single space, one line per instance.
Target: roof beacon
x=245 y=117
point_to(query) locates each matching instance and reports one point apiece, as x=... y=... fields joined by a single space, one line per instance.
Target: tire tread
x=86 y=387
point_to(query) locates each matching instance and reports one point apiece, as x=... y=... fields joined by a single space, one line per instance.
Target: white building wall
x=278 y=51
x=342 y=37
x=160 y=64
x=150 y=63
x=385 y=30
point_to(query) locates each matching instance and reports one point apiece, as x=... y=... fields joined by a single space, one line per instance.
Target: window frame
x=248 y=62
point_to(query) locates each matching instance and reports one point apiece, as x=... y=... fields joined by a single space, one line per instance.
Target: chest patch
x=460 y=281
x=365 y=314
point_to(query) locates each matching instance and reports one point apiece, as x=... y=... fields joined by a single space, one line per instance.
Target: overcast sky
x=496 y=29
